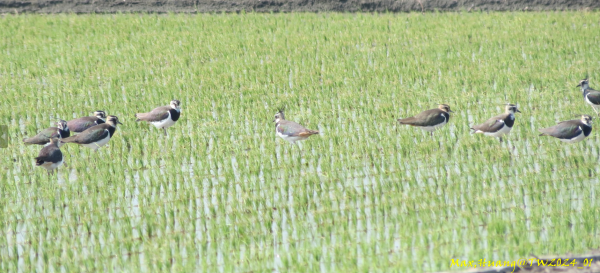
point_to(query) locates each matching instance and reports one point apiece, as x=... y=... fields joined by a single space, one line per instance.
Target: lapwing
x=79 y=125
x=429 y=120
x=43 y=138
x=162 y=117
x=570 y=131
x=50 y=157
x=289 y=130
x=96 y=136
x=499 y=125
x=591 y=96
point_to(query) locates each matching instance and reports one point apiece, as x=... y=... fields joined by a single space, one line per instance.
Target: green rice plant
x=223 y=193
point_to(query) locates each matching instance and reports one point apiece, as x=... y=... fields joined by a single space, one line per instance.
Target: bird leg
x=595 y=111
x=431 y=134
x=500 y=138
x=165 y=130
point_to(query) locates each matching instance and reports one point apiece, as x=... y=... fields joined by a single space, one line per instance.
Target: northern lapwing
x=289 y=130
x=570 y=131
x=43 y=138
x=79 y=125
x=96 y=136
x=162 y=117
x=429 y=120
x=50 y=157
x=499 y=125
x=591 y=96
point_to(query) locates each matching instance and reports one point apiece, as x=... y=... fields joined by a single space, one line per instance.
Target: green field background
x=222 y=193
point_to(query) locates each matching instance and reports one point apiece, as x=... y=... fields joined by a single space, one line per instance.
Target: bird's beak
x=450 y=111
x=579 y=85
x=119 y=122
x=518 y=111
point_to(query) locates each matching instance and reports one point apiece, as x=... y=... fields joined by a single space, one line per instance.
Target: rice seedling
x=222 y=193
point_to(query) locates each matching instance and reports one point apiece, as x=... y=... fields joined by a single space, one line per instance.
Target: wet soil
x=204 y=6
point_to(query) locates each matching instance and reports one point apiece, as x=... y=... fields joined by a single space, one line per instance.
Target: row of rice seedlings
x=216 y=193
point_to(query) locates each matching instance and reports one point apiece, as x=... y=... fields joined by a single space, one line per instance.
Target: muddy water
x=199 y=6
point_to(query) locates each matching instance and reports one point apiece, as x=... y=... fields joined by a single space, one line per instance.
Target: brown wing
x=308 y=133
x=158 y=114
x=491 y=125
x=426 y=118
